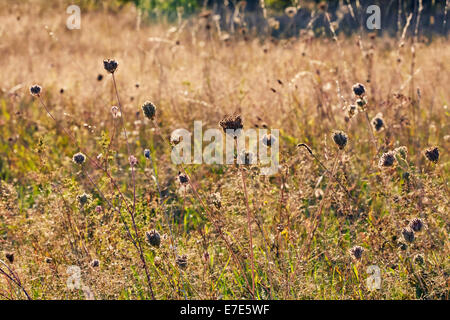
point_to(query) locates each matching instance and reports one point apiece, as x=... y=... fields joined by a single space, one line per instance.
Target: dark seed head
x=79 y=158
x=231 y=123
x=10 y=256
x=416 y=224
x=35 y=90
x=387 y=159
x=419 y=259
x=356 y=252
x=181 y=261
x=183 y=178
x=268 y=140
x=359 y=89
x=95 y=263
x=408 y=234
x=340 y=138
x=147 y=153
x=110 y=65
x=149 y=110
x=378 y=122
x=246 y=158
x=99 y=77
x=432 y=154
x=153 y=238
x=83 y=199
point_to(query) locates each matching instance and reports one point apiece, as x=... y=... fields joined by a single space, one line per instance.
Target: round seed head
x=110 y=65
x=408 y=234
x=153 y=238
x=387 y=160
x=359 y=89
x=233 y=122
x=83 y=199
x=432 y=154
x=356 y=252
x=95 y=263
x=10 y=256
x=79 y=158
x=35 y=90
x=147 y=153
x=378 y=122
x=183 y=178
x=149 y=110
x=181 y=261
x=340 y=138
x=416 y=224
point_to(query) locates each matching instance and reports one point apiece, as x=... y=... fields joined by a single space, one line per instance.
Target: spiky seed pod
x=183 y=178
x=153 y=238
x=115 y=111
x=432 y=154
x=416 y=224
x=378 y=122
x=79 y=158
x=181 y=261
x=110 y=65
x=387 y=160
x=133 y=161
x=95 y=263
x=408 y=234
x=359 y=89
x=149 y=110
x=356 y=252
x=35 y=90
x=340 y=138
x=147 y=153
x=10 y=256
x=268 y=140
x=231 y=123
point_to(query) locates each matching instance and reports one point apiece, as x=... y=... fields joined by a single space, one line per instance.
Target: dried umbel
x=387 y=160
x=95 y=263
x=432 y=154
x=110 y=65
x=233 y=122
x=356 y=252
x=79 y=158
x=35 y=90
x=132 y=160
x=153 y=238
x=183 y=178
x=10 y=256
x=416 y=224
x=340 y=138
x=149 y=110
x=408 y=234
x=359 y=89
x=378 y=122
x=268 y=140
x=181 y=261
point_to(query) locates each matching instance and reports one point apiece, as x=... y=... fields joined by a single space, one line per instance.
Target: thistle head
x=10 y=256
x=149 y=110
x=378 y=122
x=183 y=178
x=416 y=224
x=340 y=138
x=110 y=65
x=83 y=199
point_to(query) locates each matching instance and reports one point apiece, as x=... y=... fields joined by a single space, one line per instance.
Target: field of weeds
x=93 y=207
